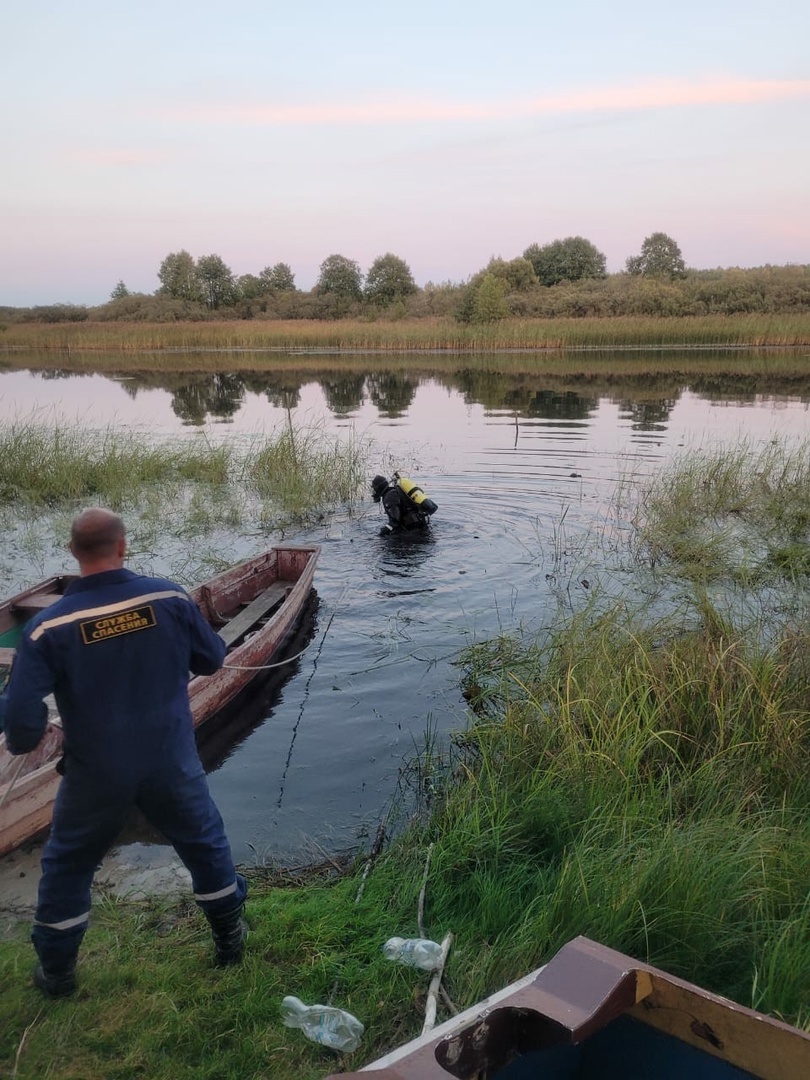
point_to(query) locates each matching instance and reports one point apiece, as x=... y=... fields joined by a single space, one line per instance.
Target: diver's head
x=379 y=486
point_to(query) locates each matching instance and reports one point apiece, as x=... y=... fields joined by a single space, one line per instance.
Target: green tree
x=249 y=286
x=571 y=259
x=119 y=292
x=660 y=257
x=518 y=273
x=178 y=277
x=278 y=278
x=490 y=303
x=341 y=277
x=389 y=279
x=216 y=280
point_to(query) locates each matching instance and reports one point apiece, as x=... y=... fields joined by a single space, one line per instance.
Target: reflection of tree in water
x=486 y=388
x=343 y=393
x=561 y=405
x=283 y=390
x=743 y=389
x=194 y=397
x=392 y=392
x=648 y=415
x=59 y=374
x=520 y=394
x=220 y=396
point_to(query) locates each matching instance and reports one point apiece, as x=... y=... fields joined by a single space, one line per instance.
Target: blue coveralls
x=116 y=651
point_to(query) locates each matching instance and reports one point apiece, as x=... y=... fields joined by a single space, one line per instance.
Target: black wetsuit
x=402 y=513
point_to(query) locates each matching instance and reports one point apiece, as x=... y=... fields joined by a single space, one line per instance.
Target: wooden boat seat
x=256 y=609
x=36 y=602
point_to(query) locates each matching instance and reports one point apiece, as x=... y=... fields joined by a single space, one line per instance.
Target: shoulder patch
x=122 y=622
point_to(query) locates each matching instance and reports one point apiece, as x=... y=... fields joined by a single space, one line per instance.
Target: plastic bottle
x=415 y=952
x=324 y=1024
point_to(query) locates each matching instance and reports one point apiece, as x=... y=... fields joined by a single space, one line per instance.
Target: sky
x=444 y=131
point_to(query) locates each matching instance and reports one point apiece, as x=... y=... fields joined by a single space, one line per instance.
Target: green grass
x=189 y=504
x=300 y=470
x=49 y=465
x=735 y=514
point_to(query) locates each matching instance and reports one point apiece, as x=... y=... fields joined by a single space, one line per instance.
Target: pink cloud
x=656 y=94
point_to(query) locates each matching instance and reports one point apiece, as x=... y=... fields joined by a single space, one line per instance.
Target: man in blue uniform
x=116 y=651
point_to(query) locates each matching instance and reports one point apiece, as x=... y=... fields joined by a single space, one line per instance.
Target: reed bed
x=49 y=465
x=427 y=334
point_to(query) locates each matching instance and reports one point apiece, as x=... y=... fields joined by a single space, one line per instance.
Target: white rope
x=263 y=667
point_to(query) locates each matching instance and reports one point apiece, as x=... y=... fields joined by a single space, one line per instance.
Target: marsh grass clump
x=302 y=472
x=51 y=465
x=299 y=470
x=740 y=514
x=640 y=771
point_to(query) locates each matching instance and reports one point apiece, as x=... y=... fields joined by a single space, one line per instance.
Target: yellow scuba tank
x=416 y=494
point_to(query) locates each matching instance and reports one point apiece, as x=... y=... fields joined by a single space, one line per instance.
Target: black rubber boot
x=229 y=931
x=56 y=983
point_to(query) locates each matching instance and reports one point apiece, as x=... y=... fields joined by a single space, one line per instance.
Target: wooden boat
x=593 y=1012
x=254 y=606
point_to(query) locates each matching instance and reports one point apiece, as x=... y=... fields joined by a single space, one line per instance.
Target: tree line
x=564 y=278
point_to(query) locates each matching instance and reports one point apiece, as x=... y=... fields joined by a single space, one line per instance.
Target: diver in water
x=405 y=504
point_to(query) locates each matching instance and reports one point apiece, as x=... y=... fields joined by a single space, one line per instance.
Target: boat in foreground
x=254 y=606
x=593 y=1012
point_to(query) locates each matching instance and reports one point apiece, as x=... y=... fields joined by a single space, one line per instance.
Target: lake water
x=523 y=472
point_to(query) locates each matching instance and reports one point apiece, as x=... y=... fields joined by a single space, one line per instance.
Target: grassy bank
x=639 y=774
x=426 y=334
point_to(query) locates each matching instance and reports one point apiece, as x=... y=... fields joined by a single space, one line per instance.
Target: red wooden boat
x=255 y=606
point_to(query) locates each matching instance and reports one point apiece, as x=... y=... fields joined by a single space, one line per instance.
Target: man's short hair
x=96 y=532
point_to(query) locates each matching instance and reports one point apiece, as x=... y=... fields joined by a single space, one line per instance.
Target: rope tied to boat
x=264 y=667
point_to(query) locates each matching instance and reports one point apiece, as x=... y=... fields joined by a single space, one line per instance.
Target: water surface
x=524 y=474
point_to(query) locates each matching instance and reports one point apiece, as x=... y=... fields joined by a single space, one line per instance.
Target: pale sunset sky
x=445 y=132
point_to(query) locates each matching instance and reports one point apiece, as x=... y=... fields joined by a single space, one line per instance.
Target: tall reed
x=422 y=334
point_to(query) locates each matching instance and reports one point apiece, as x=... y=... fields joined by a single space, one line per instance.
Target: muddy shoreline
x=132 y=872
